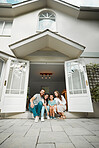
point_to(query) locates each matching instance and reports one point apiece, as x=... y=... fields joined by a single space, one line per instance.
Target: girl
x=51 y=104
x=45 y=106
x=60 y=104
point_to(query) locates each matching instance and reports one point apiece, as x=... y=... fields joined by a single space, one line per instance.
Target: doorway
x=56 y=82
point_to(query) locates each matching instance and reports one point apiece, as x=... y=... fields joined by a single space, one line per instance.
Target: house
x=47 y=44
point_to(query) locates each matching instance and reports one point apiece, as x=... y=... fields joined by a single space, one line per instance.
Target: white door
x=15 y=86
x=2 y=63
x=78 y=93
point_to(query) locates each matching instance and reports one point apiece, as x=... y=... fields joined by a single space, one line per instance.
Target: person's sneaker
x=36 y=119
x=54 y=118
x=48 y=117
x=42 y=119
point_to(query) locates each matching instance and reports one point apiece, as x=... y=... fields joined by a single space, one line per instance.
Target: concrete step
x=28 y=115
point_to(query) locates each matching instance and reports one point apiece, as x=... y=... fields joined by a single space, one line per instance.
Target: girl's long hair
x=59 y=96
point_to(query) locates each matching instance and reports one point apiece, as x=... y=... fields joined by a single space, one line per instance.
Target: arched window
x=47 y=20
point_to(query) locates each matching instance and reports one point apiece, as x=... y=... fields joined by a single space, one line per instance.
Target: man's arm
x=31 y=100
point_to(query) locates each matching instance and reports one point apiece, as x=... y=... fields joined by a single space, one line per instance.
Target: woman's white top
x=58 y=101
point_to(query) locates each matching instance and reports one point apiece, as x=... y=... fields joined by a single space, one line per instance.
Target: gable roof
x=9 y=10
x=48 y=39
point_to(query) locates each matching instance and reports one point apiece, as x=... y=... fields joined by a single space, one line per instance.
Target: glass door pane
x=76 y=78
x=16 y=79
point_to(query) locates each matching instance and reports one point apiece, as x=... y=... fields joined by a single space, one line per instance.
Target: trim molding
x=90 y=54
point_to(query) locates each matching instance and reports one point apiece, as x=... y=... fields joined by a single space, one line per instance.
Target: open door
x=78 y=93
x=2 y=63
x=15 y=86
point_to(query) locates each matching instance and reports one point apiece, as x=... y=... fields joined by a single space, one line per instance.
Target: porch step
x=28 y=115
x=23 y=115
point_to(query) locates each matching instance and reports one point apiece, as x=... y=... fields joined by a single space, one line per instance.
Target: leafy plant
x=95 y=93
x=93 y=75
x=92 y=66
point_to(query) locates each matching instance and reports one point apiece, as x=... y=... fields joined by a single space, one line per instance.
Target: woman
x=61 y=104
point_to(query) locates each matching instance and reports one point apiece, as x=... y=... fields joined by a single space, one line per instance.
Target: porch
x=68 y=133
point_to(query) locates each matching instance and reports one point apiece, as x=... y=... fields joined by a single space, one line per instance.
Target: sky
x=93 y=3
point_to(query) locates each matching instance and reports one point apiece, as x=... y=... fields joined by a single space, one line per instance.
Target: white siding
x=85 y=32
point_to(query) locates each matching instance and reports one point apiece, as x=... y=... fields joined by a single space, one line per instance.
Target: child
x=45 y=106
x=51 y=104
x=61 y=104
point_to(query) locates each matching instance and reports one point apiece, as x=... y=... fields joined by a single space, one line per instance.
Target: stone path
x=68 y=133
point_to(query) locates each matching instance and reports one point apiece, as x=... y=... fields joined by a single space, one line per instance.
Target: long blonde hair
x=59 y=96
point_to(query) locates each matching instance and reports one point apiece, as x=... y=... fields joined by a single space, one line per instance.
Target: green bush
x=93 y=74
x=95 y=93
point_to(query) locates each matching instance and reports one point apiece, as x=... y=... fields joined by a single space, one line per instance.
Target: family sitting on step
x=41 y=102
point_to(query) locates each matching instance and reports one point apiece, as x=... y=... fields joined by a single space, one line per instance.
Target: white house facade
x=47 y=36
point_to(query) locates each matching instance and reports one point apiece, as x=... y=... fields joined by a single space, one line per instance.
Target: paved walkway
x=68 y=133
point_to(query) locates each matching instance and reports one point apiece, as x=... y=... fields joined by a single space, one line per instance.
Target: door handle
x=86 y=83
x=5 y=82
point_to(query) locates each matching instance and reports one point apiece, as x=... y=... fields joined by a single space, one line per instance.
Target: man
x=36 y=103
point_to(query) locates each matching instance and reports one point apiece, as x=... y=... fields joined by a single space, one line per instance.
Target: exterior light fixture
x=46 y=75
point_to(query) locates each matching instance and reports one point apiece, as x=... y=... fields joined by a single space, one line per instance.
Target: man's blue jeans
x=43 y=109
x=36 y=109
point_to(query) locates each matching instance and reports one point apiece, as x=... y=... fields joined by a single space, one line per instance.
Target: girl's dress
x=60 y=108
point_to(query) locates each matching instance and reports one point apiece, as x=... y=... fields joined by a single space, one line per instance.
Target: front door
x=78 y=93
x=2 y=63
x=15 y=86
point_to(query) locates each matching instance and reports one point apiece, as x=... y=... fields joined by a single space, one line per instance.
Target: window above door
x=47 y=20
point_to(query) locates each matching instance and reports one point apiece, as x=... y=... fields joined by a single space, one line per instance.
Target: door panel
x=2 y=63
x=16 y=83
x=78 y=93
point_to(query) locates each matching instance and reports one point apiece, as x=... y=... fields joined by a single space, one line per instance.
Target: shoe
x=42 y=119
x=54 y=118
x=36 y=119
x=48 y=117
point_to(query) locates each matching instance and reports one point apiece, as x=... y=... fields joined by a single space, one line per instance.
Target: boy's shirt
x=52 y=103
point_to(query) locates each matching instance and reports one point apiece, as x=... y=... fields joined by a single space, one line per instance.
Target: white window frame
x=10 y=89
x=46 y=10
x=83 y=94
x=3 y=27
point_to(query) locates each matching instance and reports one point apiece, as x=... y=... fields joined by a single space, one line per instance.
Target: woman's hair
x=46 y=94
x=59 y=96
